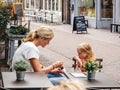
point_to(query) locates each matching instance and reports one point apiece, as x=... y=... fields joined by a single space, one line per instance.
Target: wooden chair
x=100 y=60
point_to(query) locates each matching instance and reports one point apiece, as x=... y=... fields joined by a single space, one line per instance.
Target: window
x=37 y=4
x=53 y=5
x=45 y=4
x=87 y=8
x=49 y=4
x=32 y=3
x=27 y=3
x=56 y=5
x=41 y=4
x=106 y=9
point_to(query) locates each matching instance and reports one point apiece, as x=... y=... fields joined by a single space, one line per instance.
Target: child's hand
x=79 y=62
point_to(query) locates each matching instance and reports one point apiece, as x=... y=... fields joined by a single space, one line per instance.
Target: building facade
x=99 y=13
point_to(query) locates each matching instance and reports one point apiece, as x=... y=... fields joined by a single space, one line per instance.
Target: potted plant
x=18 y=30
x=91 y=67
x=5 y=16
x=20 y=66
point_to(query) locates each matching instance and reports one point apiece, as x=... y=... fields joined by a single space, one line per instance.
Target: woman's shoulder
x=28 y=44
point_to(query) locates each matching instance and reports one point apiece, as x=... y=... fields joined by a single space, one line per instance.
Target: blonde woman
x=29 y=51
x=68 y=85
x=85 y=53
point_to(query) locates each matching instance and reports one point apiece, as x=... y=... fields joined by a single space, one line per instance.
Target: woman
x=29 y=51
x=85 y=53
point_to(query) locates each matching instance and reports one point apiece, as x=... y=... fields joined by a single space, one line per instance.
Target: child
x=68 y=85
x=85 y=53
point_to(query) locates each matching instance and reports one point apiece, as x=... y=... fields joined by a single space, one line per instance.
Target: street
x=105 y=45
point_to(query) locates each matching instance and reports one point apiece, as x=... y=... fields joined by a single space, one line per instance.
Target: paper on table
x=78 y=74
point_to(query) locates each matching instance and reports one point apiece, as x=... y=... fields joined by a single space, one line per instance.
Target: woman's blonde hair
x=85 y=47
x=43 y=32
x=68 y=85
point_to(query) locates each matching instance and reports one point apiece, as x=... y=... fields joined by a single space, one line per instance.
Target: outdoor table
x=31 y=80
x=101 y=81
x=12 y=39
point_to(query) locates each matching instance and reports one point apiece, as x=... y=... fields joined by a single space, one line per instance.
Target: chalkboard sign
x=18 y=9
x=79 y=24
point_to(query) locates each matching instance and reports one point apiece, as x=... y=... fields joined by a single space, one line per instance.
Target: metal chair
x=100 y=60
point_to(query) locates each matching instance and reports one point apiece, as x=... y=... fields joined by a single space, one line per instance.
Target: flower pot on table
x=91 y=75
x=20 y=75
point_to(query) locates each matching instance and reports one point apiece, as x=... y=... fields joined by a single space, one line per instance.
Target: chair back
x=100 y=60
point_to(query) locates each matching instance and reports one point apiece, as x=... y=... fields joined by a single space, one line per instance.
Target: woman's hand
x=57 y=71
x=58 y=64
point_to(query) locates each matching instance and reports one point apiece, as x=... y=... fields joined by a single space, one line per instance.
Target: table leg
x=19 y=42
x=111 y=27
x=29 y=25
x=116 y=28
x=51 y=18
x=45 y=18
x=11 y=49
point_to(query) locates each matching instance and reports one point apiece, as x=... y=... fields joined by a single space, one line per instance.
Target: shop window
x=32 y=3
x=106 y=9
x=53 y=5
x=45 y=4
x=56 y=5
x=49 y=4
x=37 y=4
x=27 y=3
x=87 y=8
x=41 y=4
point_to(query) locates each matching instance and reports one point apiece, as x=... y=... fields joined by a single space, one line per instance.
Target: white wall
x=117 y=11
x=74 y=12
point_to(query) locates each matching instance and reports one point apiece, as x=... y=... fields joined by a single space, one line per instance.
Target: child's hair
x=68 y=85
x=43 y=32
x=85 y=47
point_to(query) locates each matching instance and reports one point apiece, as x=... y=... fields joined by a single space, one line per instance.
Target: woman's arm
x=37 y=67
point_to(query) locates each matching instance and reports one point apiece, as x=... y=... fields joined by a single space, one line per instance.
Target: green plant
x=21 y=65
x=18 y=30
x=5 y=16
x=91 y=66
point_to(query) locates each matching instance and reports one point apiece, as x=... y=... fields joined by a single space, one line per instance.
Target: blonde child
x=85 y=53
x=68 y=85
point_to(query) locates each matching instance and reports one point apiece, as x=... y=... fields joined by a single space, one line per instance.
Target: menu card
x=78 y=74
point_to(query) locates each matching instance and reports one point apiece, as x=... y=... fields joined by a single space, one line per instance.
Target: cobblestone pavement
x=105 y=45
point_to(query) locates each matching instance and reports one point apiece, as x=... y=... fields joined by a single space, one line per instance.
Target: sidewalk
x=97 y=34
x=105 y=45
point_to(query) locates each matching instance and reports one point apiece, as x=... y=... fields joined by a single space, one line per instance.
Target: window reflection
x=106 y=9
x=87 y=8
